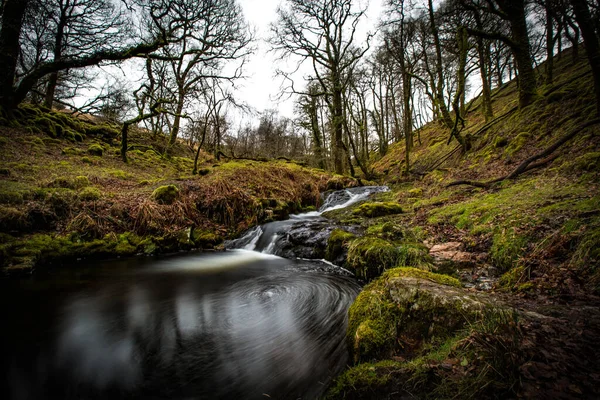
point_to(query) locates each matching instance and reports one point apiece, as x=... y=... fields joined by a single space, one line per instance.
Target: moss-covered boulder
x=165 y=194
x=369 y=256
x=377 y=209
x=12 y=219
x=205 y=239
x=89 y=193
x=337 y=245
x=96 y=150
x=399 y=313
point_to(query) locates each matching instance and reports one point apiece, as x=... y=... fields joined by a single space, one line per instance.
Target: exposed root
x=530 y=163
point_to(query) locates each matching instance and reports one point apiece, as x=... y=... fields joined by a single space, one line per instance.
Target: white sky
x=262 y=87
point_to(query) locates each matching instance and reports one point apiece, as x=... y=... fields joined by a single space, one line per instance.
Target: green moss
x=37 y=141
x=12 y=219
x=72 y=151
x=101 y=130
x=80 y=182
x=119 y=173
x=511 y=278
x=364 y=381
x=517 y=143
x=205 y=239
x=336 y=243
x=389 y=231
x=372 y=323
x=165 y=194
x=587 y=162
x=377 y=319
x=507 y=247
x=378 y=209
x=87 y=160
x=89 y=193
x=416 y=192
x=421 y=274
x=369 y=256
x=96 y=150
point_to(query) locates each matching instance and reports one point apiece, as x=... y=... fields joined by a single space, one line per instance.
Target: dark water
x=241 y=324
x=230 y=325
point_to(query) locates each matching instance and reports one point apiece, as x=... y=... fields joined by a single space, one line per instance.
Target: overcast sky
x=261 y=89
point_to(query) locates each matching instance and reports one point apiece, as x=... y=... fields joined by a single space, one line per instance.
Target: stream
x=264 y=319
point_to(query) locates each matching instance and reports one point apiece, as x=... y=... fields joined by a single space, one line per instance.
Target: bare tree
x=76 y=28
x=13 y=91
x=322 y=32
x=211 y=32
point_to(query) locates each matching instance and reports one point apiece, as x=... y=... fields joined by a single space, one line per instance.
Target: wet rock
x=305 y=240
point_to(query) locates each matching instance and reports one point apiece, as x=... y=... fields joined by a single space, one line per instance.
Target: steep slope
x=525 y=316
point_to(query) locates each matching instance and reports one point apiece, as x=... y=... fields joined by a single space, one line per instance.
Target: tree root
x=530 y=163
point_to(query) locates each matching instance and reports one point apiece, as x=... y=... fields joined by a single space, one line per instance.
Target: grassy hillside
x=544 y=226
x=65 y=193
x=532 y=244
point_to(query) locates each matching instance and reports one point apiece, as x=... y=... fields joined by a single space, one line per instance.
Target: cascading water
x=273 y=237
x=240 y=324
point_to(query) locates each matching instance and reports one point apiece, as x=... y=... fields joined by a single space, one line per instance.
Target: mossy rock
x=80 y=182
x=101 y=130
x=337 y=245
x=367 y=381
x=377 y=209
x=165 y=194
x=5 y=171
x=408 y=306
x=369 y=256
x=71 y=151
x=12 y=219
x=89 y=193
x=96 y=150
x=206 y=239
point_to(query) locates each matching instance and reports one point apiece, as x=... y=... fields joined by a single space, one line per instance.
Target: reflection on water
x=230 y=325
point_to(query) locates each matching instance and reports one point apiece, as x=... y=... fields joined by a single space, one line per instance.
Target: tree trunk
x=549 y=44
x=338 y=129
x=515 y=11
x=314 y=125
x=592 y=47
x=488 y=113
x=177 y=120
x=441 y=103
x=53 y=79
x=12 y=22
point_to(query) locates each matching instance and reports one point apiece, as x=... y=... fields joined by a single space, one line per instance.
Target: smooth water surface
x=240 y=324
x=226 y=325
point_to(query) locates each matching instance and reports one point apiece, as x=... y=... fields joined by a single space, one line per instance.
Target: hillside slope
x=547 y=219
x=509 y=308
x=65 y=193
